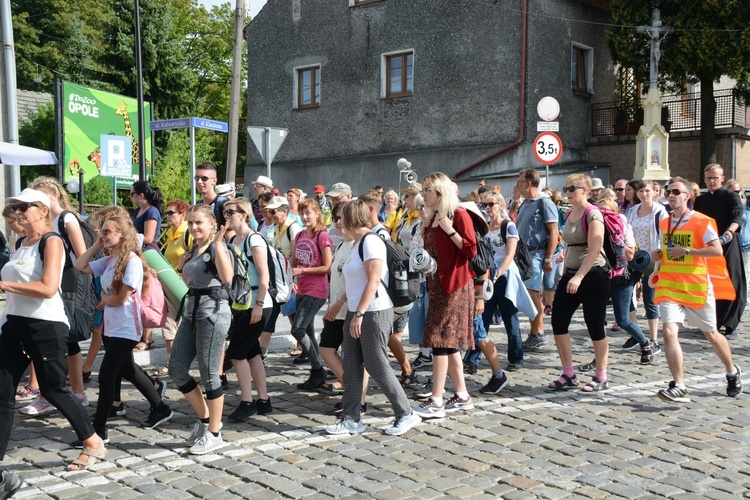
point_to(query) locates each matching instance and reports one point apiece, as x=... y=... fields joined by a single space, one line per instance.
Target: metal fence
x=684 y=113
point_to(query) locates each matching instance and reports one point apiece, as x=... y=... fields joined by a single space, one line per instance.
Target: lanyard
x=674 y=228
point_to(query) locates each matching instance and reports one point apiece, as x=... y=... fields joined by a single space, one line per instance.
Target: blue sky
x=255 y=5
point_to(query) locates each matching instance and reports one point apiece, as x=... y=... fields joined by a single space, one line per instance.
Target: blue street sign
x=210 y=124
x=170 y=124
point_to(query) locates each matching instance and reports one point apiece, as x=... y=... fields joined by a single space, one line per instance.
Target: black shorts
x=332 y=335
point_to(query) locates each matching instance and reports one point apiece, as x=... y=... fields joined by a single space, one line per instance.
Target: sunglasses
x=619 y=189
x=133 y=193
x=229 y=212
x=107 y=232
x=22 y=207
x=488 y=204
x=202 y=178
x=572 y=189
x=171 y=212
x=271 y=211
x=336 y=218
x=675 y=192
x=419 y=207
x=712 y=178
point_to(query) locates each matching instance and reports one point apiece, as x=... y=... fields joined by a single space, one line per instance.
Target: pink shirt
x=308 y=252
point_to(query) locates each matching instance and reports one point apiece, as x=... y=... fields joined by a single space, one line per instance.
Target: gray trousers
x=369 y=351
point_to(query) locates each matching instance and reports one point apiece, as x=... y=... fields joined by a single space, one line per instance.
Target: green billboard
x=87 y=115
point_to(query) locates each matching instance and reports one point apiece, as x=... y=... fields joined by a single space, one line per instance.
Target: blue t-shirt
x=532 y=220
x=151 y=213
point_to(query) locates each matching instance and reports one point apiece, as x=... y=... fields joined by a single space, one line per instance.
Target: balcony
x=684 y=113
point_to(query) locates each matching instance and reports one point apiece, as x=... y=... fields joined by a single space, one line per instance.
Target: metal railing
x=684 y=113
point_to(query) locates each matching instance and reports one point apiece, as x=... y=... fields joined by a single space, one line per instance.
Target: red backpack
x=152 y=303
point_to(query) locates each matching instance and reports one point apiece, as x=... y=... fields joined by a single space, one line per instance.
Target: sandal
x=596 y=385
x=564 y=383
x=330 y=389
x=93 y=457
x=295 y=352
x=587 y=367
x=143 y=346
x=408 y=379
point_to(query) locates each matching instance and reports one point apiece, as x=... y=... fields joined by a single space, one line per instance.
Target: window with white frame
x=582 y=68
x=353 y=3
x=397 y=74
x=307 y=87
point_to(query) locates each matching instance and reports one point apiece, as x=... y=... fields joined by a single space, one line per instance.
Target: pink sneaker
x=27 y=395
x=38 y=408
x=83 y=398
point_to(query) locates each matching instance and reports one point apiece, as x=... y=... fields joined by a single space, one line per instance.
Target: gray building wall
x=465 y=104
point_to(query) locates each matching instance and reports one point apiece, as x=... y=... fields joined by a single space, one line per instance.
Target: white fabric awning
x=13 y=154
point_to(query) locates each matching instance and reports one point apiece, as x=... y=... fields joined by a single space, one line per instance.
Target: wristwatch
x=359 y=314
x=687 y=251
x=548 y=261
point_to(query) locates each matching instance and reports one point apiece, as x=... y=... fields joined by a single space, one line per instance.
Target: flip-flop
x=295 y=352
x=143 y=346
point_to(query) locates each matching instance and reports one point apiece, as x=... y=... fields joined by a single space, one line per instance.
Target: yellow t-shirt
x=175 y=244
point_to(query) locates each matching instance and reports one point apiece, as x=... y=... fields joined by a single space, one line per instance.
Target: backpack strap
x=361 y=252
x=504 y=231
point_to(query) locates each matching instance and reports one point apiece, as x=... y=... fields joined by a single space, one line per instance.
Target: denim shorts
x=290 y=307
x=537 y=261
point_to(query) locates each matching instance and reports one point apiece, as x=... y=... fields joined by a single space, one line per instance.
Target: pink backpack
x=153 y=304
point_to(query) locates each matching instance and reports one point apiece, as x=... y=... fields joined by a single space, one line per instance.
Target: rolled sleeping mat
x=643 y=263
x=483 y=289
x=421 y=262
x=174 y=288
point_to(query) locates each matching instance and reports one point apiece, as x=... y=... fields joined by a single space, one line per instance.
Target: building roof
x=29 y=102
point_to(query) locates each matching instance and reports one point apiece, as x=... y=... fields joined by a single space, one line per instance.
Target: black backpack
x=523 y=257
x=483 y=261
x=403 y=285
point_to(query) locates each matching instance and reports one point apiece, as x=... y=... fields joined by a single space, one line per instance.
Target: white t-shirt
x=356 y=277
x=119 y=321
x=338 y=284
x=26 y=266
x=256 y=240
x=499 y=250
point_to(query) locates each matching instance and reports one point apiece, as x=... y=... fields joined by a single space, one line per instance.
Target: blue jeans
x=622 y=298
x=418 y=316
x=652 y=310
x=509 y=314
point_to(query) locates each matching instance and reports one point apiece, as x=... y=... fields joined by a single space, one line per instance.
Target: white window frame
x=589 y=51
x=296 y=83
x=357 y=3
x=384 y=71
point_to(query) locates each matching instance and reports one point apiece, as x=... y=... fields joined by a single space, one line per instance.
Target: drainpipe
x=734 y=156
x=522 y=98
x=10 y=84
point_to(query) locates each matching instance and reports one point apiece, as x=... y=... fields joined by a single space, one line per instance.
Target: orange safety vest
x=685 y=280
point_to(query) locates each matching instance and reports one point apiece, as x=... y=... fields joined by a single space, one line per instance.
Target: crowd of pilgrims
x=335 y=265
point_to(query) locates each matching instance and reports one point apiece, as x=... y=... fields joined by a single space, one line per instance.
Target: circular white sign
x=548 y=148
x=548 y=108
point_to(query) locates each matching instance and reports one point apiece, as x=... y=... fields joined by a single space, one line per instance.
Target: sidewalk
x=523 y=443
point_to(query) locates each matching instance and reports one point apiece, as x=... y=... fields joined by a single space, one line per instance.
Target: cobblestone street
x=523 y=443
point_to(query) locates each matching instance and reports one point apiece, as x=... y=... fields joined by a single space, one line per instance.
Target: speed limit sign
x=548 y=148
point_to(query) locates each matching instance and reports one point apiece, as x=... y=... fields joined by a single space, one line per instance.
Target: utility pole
x=139 y=89
x=240 y=14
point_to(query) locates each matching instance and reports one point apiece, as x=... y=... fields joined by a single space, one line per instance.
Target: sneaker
x=547 y=310
x=82 y=398
x=470 y=368
x=429 y=409
x=734 y=383
x=117 y=411
x=10 y=483
x=511 y=367
x=615 y=327
x=38 y=408
x=161 y=388
x=346 y=426
x=631 y=343
x=421 y=360
x=495 y=385
x=425 y=391
x=206 y=443
x=338 y=409
x=301 y=359
x=647 y=355
x=403 y=423
x=79 y=443
x=674 y=394
x=243 y=412
x=456 y=403
x=264 y=406
x=316 y=380
x=158 y=416
x=655 y=347
x=730 y=334
x=27 y=394
x=534 y=342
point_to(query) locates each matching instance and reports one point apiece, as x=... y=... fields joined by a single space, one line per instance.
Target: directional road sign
x=170 y=124
x=548 y=148
x=210 y=124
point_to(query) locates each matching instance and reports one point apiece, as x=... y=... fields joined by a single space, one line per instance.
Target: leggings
x=205 y=341
x=593 y=293
x=118 y=363
x=45 y=344
x=303 y=329
x=369 y=352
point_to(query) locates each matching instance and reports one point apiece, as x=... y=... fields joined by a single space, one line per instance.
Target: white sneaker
x=38 y=408
x=206 y=443
x=346 y=426
x=82 y=398
x=199 y=429
x=403 y=423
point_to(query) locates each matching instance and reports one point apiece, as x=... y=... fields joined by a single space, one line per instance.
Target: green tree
x=38 y=132
x=711 y=40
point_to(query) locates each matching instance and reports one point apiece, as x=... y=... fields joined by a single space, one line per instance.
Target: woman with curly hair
x=122 y=271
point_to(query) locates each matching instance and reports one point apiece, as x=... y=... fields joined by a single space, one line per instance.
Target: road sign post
x=268 y=140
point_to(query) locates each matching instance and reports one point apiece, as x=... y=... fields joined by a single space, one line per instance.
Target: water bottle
x=401 y=280
x=724 y=239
